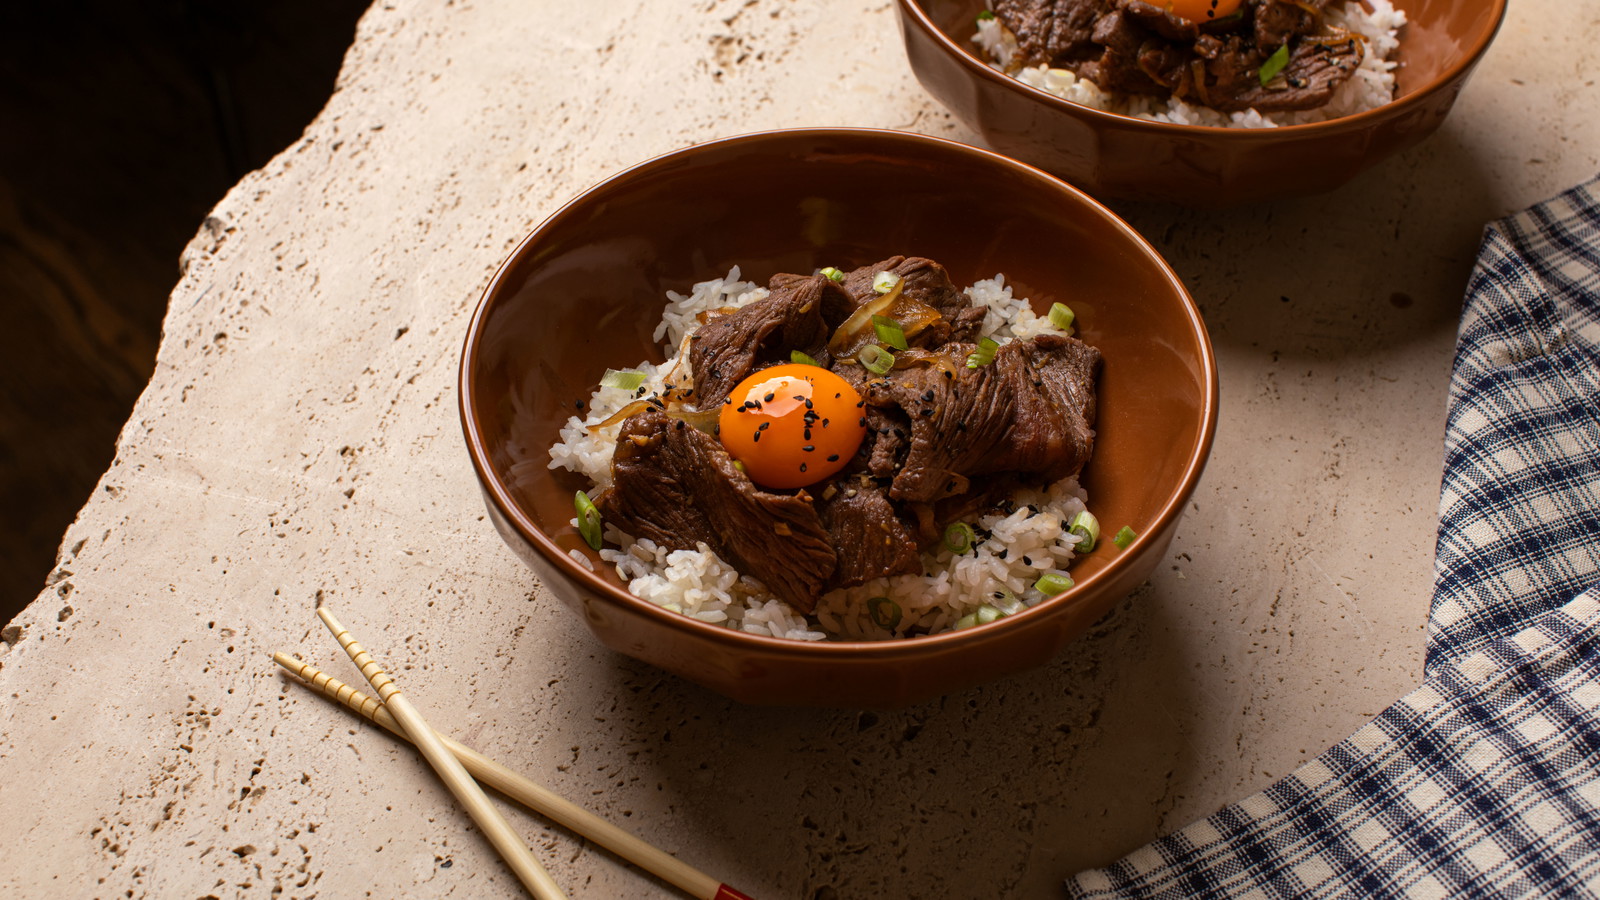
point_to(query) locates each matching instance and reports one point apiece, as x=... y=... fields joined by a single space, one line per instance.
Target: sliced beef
x=726 y=349
x=871 y=538
x=926 y=282
x=1018 y=414
x=1117 y=68
x=1160 y=22
x=1232 y=66
x=678 y=487
x=965 y=324
x=1051 y=31
x=888 y=436
x=1277 y=22
x=1137 y=47
x=1316 y=69
x=1068 y=369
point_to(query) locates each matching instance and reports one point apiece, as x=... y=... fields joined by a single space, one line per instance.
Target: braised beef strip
x=678 y=487
x=868 y=533
x=727 y=348
x=944 y=440
x=1137 y=47
x=1018 y=414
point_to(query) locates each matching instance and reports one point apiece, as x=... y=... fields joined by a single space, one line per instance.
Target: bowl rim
x=497 y=494
x=913 y=12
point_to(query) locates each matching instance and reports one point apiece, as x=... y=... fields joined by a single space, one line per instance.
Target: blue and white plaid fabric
x=1485 y=781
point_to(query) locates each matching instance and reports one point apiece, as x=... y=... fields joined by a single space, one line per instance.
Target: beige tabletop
x=299 y=441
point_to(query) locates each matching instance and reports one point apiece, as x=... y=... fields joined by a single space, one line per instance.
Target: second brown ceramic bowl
x=1116 y=156
x=584 y=291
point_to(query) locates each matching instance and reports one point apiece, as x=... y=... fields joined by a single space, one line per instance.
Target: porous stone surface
x=299 y=443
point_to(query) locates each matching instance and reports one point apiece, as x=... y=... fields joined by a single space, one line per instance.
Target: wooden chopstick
x=534 y=796
x=451 y=772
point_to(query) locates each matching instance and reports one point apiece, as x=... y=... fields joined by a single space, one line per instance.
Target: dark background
x=121 y=125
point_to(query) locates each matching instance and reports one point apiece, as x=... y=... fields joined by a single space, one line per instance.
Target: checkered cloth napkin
x=1484 y=781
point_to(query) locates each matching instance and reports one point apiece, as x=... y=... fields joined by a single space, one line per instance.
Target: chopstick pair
x=465 y=764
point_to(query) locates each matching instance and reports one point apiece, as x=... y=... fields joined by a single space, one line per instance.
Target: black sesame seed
x=808 y=403
x=802 y=467
x=1002 y=555
x=833 y=457
x=808 y=448
x=755 y=437
x=763 y=426
x=927 y=396
x=999 y=595
x=769 y=396
x=1026 y=561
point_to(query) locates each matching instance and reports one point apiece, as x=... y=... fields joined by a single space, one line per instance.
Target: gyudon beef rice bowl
x=854 y=455
x=1228 y=63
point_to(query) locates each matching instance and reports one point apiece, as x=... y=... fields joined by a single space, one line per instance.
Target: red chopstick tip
x=727 y=893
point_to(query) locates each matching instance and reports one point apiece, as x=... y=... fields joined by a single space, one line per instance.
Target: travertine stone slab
x=299 y=442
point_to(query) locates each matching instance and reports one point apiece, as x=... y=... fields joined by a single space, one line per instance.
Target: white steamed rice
x=1369 y=87
x=996 y=577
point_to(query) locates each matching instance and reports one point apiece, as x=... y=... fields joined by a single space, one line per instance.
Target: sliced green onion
x=884 y=282
x=588 y=519
x=959 y=538
x=983 y=355
x=877 y=360
x=627 y=379
x=739 y=464
x=1124 y=537
x=1052 y=583
x=1274 y=64
x=1087 y=528
x=987 y=614
x=984 y=15
x=885 y=613
x=1061 y=316
x=890 y=332
x=832 y=273
x=966 y=621
x=795 y=356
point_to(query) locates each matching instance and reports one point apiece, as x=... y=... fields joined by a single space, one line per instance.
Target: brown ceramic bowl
x=586 y=288
x=1115 y=156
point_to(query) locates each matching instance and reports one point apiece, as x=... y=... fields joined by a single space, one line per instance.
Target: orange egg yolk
x=792 y=425
x=1198 y=11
